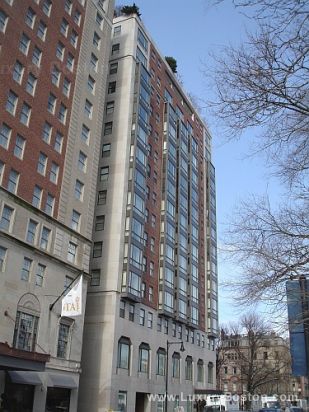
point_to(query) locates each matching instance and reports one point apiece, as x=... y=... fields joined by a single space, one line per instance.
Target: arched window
x=210 y=372
x=26 y=324
x=188 y=368
x=161 y=361
x=200 y=370
x=143 y=362
x=176 y=365
x=124 y=345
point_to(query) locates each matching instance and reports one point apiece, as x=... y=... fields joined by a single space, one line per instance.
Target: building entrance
x=141 y=402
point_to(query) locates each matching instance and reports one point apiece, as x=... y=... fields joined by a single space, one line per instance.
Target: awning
x=25 y=377
x=59 y=380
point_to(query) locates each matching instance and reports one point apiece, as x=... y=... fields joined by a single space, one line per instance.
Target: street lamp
x=182 y=349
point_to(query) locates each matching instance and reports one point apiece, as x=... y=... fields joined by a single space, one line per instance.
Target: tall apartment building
x=153 y=266
x=52 y=87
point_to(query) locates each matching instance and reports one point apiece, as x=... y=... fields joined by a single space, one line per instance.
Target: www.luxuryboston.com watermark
x=228 y=397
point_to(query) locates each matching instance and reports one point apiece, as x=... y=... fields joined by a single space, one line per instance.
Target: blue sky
x=190 y=31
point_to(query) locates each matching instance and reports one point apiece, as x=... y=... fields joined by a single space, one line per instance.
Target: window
x=31 y=232
x=66 y=87
x=11 y=102
x=117 y=30
x=142 y=317
x=124 y=353
x=94 y=62
x=37 y=196
x=150 y=294
x=58 y=142
x=5 y=134
x=45 y=235
x=144 y=351
x=24 y=44
x=97 y=249
x=113 y=68
x=77 y=17
x=99 y=19
x=55 y=76
x=108 y=128
x=210 y=372
x=115 y=49
x=122 y=309
x=26 y=110
x=63 y=340
x=26 y=268
x=25 y=331
x=47 y=131
x=88 y=109
x=74 y=38
x=96 y=40
x=95 y=277
x=150 y=320
x=152 y=244
x=161 y=361
x=49 y=206
x=3 y=251
x=99 y=222
x=102 y=194
x=3 y=21
x=51 y=104
x=104 y=173
x=40 y=273
x=110 y=107
x=176 y=365
x=68 y=6
x=47 y=7
x=111 y=87
x=42 y=31
x=31 y=84
x=62 y=115
x=85 y=134
x=42 y=163
x=30 y=18
x=13 y=181
x=68 y=281
x=19 y=146
x=91 y=84
x=72 y=250
x=36 y=56
x=70 y=62
x=53 y=174
x=131 y=312
x=106 y=150
x=122 y=401
x=79 y=190
x=151 y=268
x=6 y=218
x=200 y=370
x=60 y=51
x=18 y=72
x=1 y=171
x=188 y=368
x=82 y=161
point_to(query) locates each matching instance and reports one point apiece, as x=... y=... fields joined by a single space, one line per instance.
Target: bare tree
x=270 y=246
x=252 y=348
x=264 y=84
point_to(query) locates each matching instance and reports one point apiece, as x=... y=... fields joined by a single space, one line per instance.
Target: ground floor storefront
x=28 y=384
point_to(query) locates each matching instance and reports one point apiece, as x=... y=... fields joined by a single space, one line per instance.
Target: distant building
x=267 y=364
x=154 y=262
x=53 y=58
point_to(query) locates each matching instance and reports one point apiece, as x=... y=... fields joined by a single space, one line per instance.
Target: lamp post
x=182 y=349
